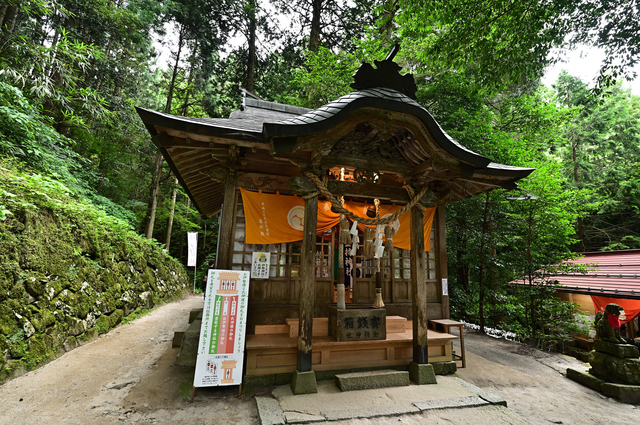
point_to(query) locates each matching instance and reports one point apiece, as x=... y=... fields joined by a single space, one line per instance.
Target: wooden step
x=320 y=326
x=277 y=353
x=396 y=324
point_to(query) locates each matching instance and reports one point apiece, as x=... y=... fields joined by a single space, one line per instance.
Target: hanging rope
x=322 y=189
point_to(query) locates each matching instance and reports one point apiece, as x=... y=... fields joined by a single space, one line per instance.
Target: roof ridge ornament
x=386 y=74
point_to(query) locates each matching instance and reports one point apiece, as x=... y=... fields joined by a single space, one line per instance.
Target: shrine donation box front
x=358 y=324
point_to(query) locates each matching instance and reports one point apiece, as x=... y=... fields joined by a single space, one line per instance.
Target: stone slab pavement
x=451 y=400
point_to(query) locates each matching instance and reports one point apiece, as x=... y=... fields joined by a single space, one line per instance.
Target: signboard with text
x=221 y=344
x=260 y=265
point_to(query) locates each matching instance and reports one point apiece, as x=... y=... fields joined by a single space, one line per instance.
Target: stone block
x=304 y=383
x=622 y=351
x=625 y=393
x=194 y=314
x=269 y=411
x=586 y=379
x=258 y=381
x=444 y=368
x=177 y=339
x=88 y=336
x=372 y=379
x=284 y=378
x=302 y=418
x=451 y=403
x=189 y=346
x=483 y=394
x=615 y=369
x=422 y=374
x=325 y=375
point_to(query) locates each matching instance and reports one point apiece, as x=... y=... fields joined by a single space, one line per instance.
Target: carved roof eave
x=205 y=130
x=392 y=105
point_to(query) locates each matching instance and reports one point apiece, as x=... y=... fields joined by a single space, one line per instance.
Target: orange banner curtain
x=631 y=307
x=280 y=218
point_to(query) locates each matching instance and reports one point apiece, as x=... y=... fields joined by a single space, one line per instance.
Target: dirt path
x=128 y=376
x=124 y=376
x=535 y=386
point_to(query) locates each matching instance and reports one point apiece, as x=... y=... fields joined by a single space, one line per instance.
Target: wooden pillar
x=225 y=241
x=441 y=259
x=418 y=288
x=307 y=285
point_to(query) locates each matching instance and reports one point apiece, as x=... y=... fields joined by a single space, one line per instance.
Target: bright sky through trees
x=584 y=63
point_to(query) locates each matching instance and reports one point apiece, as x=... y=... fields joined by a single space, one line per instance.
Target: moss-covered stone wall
x=68 y=273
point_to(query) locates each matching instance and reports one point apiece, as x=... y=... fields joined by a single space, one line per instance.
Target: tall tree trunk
x=167 y=107
x=8 y=15
x=314 y=37
x=158 y=160
x=532 y=310
x=171 y=213
x=481 y=265
x=155 y=190
x=576 y=178
x=251 y=60
x=462 y=270
x=185 y=106
x=386 y=21
x=184 y=234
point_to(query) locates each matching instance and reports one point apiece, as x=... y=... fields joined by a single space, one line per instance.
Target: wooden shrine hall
x=350 y=195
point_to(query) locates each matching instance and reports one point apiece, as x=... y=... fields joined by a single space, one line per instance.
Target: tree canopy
x=72 y=71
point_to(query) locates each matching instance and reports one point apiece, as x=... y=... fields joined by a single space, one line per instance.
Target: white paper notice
x=445 y=288
x=260 y=262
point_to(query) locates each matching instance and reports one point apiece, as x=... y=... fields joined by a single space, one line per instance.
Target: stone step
x=189 y=346
x=177 y=339
x=372 y=379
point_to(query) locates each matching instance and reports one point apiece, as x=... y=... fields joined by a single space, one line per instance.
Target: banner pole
x=194 y=278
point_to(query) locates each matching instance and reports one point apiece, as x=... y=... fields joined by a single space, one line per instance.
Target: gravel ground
x=128 y=376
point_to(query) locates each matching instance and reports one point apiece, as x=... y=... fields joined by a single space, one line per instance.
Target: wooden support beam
x=301 y=185
x=418 y=288
x=441 y=258
x=223 y=260
x=307 y=285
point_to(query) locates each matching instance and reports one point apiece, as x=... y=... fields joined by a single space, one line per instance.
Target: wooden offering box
x=358 y=324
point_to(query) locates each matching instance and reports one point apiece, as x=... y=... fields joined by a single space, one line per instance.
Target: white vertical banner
x=192 y=244
x=221 y=345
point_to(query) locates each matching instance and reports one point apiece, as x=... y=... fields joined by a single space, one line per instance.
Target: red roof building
x=612 y=277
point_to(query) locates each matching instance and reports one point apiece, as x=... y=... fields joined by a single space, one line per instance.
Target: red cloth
x=614 y=321
x=631 y=307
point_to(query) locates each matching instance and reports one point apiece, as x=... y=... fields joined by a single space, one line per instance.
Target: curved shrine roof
x=265 y=143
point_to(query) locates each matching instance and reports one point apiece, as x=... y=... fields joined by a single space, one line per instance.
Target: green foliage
x=600 y=150
x=501 y=236
x=68 y=269
x=52 y=76
x=327 y=75
x=497 y=43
